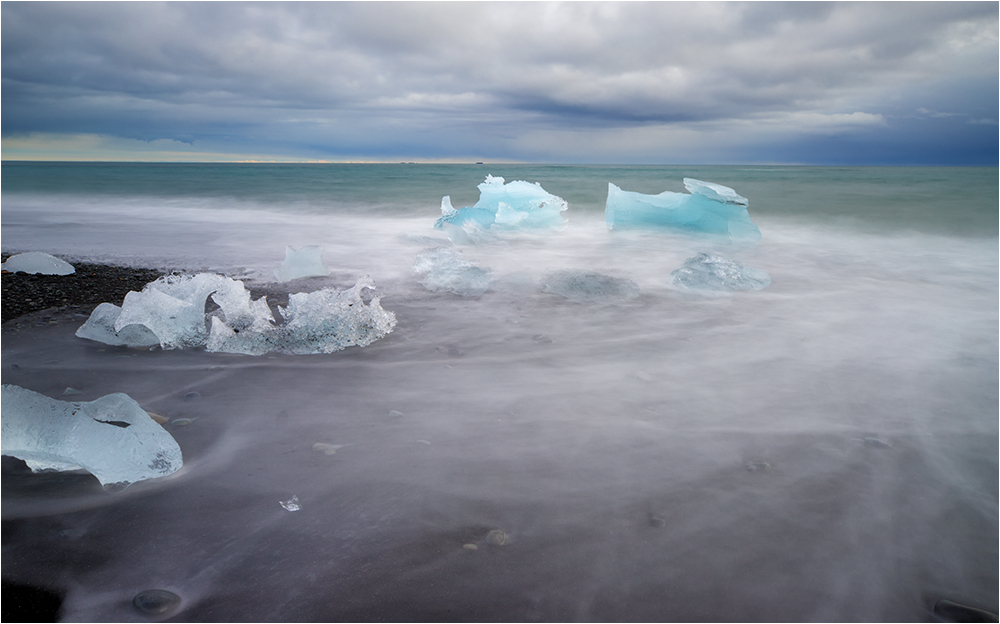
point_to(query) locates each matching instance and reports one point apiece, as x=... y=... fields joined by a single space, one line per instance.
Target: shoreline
x=91 y=285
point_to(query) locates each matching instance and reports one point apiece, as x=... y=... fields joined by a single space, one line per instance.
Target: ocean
x=823 y=449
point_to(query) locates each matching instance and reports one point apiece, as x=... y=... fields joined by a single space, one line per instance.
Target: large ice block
x=171 y=312
x=443 y=270
x=323 y=321
x=510 y=206
x=37 y=262
x=706 y=208
x=712 y=272
x=111 y=437
x=306 y=261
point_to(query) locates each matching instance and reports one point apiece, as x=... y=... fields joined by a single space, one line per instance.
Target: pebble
x=876 y=443
x=470 y=547
x=157 y=418
x=497 y=538
x=191 y=396
x=156 y=601
x=657 y=523
x=181 y=422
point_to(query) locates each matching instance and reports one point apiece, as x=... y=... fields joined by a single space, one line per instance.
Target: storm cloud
x=857 y=83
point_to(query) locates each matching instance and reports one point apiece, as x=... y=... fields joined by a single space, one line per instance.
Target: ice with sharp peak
x=171 y=312
x=306 y=261
x=707 y=208
x=590 y=287
x=710 y=272
x=511 y=206
x=444 y=270
x=37 y=262
x=112 y=437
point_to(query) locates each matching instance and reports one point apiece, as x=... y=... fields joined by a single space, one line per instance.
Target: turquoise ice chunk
x=706 y=208
x=509 y=206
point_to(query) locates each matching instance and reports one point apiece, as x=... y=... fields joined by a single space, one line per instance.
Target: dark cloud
x=497 y=79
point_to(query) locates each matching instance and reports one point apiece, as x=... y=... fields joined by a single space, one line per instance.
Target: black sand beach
x=91 y=285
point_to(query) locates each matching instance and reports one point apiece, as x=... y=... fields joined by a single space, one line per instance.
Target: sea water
x=822 y=449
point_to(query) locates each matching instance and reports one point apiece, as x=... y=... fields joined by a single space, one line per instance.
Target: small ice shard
x=323 y=321
x=111 y=437
x=68 y=391
x=715 y=273
x=37 y=262
x=706 y=208
x=590 y=287
x=498 y=538
x=510 y=206
x=876 y=443
x=306 y=261
x=100 y=327
x=443 y=270
x=328 y=449
x=292 y=504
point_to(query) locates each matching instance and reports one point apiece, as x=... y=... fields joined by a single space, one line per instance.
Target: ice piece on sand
x=111 y=437
x=706 y=208
x=101 y=328
x=711 y=272
x=323 y=321
x=37 y=262
x=590 y=287
x=292 y=504
x=510 y=206
x=443 y=270
x=305 y=262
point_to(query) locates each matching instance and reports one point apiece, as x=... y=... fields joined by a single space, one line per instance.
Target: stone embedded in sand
x=156 y=601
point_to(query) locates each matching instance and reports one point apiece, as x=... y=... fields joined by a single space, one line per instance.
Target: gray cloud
x=440 y=79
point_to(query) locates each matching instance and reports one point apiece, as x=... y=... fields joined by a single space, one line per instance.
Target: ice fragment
x=590 y=287
x=37 y=262
x=706 y=208
x=715 y=273
x=110 y=437
x=510 y=206
x=156 y=601
x=292 y=504
x=304 y=262
x=443 y=270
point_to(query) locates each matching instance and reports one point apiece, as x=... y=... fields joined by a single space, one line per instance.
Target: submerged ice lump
x=715 y=273
x=706 y=208
x=509 y=206
x=590 y=287
x=443 y=270
x=111 y=437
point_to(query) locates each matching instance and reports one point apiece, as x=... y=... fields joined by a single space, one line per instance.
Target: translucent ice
x=171 y=309
x=37 y=262
x=111 y=437
x=502 y=206
x=706 y=208
x=171 y=312
x=304 y=262
x=443 y=270
x=711 y=272
x=323 y=321
x=590 y=287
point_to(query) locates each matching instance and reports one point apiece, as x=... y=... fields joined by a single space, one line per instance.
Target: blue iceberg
x=715 y=273
x=706 y=208
x=510 y=206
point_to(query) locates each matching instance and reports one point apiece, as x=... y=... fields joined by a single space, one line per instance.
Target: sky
x=579 y=82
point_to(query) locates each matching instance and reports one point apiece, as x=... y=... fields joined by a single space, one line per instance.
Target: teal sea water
x=823 y=449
